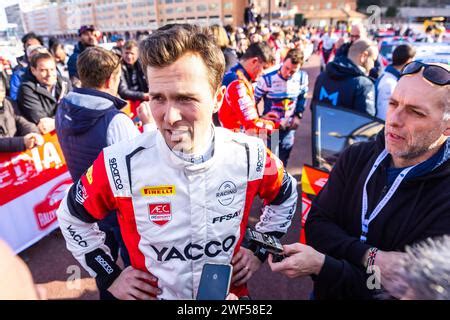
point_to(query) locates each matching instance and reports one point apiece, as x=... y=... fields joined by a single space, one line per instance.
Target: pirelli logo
x=158 y=191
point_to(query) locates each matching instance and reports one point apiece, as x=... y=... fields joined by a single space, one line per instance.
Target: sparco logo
x=195 y=251
x=115 y=173
x=226 y=217
x=76 y=237
x=259 y=163
x=226 y=192
x=104 y=264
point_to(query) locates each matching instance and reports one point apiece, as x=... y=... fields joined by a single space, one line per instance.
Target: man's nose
x=395 y=117
x=172 y=114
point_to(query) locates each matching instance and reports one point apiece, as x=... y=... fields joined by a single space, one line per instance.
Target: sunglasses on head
x=433 y=73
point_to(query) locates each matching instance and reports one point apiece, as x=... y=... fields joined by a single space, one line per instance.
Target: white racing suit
x=175 y=216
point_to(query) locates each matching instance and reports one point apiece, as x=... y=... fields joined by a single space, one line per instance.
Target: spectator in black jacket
x=133 y=83
x=16 y=133
x=345 y=83
x=41 y=91
x=382 y=195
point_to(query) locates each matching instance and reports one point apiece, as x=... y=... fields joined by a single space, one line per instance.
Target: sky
x=3 y=4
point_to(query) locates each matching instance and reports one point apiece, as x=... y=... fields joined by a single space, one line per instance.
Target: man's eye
x=185 y=99
x=157 y=99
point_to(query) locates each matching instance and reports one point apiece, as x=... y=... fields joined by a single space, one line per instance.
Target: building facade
x=119 y=16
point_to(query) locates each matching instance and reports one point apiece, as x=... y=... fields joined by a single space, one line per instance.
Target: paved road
x=52 y=265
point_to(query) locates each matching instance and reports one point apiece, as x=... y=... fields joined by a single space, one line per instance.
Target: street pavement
x=53 y=267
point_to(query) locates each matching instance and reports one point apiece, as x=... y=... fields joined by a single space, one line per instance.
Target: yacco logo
x=194 y=251
x=160 y=213
x=154 y=191
x=333 y=97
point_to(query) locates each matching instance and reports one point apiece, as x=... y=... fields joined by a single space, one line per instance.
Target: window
x=213 y=6
x=169 y=10
x=228 y=6
x=169 y=1
x=202 y=7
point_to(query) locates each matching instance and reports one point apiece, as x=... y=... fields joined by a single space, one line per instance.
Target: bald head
x=363 y=52
x=358 y=31
x=438 y=96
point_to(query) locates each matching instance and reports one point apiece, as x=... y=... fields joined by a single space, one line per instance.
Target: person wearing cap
x=382 y=195
x=88 y=38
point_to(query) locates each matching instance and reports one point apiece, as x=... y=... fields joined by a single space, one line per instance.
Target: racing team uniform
x=239 y=111
x=174 y=215
x=286 y=99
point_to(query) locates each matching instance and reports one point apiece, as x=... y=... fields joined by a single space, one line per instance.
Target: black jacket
x=125 y=90
x=36 y=102
x=343 y=84
x=419 y=209
x=12 y=128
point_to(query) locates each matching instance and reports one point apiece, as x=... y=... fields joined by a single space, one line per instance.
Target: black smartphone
x=214 y=282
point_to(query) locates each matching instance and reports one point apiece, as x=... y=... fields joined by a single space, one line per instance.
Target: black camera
x=267 y=242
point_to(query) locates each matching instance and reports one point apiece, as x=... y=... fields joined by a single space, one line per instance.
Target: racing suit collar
x=176 y=161
x=239 y=66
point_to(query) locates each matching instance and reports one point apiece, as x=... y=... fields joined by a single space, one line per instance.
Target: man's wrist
x=299 y=115
x=320 y=260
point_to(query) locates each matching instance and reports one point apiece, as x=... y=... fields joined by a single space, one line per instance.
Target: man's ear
x=33 y=71
x=218 y=98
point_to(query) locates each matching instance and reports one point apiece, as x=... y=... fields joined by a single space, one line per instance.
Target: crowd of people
x=169 y=198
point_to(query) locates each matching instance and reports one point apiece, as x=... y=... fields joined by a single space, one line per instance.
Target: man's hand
x=387 y=263
x=245 y=264
x=46 y=125
x=145 y=113
x=32 y=140
x=301 y=260
x=133 y=284
x=295 y=123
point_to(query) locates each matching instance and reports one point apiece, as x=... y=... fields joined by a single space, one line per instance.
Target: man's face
x=45 y=72
x=131 y=55
x=31 y=42
x=182 y=102
x=114 y=80
x=288 y=69
x=414 y=120
x=89 y=39
x=120 y=43
x=256 y=68
x=60 y=55
x=369 y=58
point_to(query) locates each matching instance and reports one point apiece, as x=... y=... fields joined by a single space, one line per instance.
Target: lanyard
x=366 y=221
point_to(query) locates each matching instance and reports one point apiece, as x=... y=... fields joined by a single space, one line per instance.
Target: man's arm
x=244 y=106
x=365 y=97
x=89 y=200
x=322 y=230
x=301 y=99
x=279 y=191
x=260 y=90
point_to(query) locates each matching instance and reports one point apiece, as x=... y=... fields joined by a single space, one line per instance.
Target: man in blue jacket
x=345 y=82
x=88 y=38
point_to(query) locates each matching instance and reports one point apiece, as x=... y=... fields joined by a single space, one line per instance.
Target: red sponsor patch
x=160 y=213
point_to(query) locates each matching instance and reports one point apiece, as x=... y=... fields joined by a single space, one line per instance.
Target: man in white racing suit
x=183 y=193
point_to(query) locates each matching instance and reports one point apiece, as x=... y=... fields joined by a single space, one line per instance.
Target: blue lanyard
x=366 y=221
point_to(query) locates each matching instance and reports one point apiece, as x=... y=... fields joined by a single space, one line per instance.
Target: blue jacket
x=82 y=130
x=343 y=84
x=72 y=63
x=16 y=82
